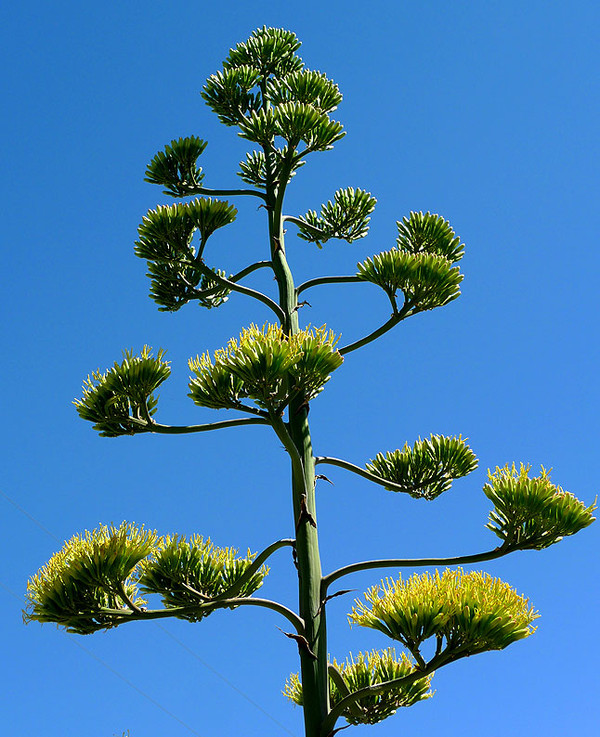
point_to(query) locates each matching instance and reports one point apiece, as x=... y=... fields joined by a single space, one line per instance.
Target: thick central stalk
x=313 y=656
x=314 y=663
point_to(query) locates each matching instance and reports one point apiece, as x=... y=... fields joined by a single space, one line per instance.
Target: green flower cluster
x=189 y=574
x=175 y=266
x=346 y=218
x=428 y=468
x=90 y=579
x=421 y=266
x=116 y=399
x=532 y=513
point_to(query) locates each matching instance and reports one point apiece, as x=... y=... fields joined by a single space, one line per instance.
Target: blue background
x=485 y=112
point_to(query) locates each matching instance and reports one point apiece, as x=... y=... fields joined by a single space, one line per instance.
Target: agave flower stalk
x=269 y=376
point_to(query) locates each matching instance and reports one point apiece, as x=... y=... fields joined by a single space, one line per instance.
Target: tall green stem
x=313 y=660
x=314 y=672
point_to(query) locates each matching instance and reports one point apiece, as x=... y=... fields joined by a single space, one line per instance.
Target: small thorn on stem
x=324 y=478
x=304 y=303
x=302 y=643
x=332 y=596
x=304 y=514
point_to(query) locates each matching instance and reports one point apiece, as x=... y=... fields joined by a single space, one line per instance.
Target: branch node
x=302 y=642
x=304 y=405
x=324 y=478
x=328 y=598
x=304 y=514
x=339 y=729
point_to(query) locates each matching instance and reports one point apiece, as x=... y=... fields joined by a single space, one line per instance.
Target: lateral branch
x=122 y=616
x=156 y=427
x=368 y=565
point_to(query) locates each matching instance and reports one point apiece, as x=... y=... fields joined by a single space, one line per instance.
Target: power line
x=11 y=592
x=136 y=688
x=29 y=516
x=176 y=639
x=112 y=670
x=225 y=680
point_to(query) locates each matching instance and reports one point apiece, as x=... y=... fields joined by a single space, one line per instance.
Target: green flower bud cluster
x=427 y=469
x=532 y=513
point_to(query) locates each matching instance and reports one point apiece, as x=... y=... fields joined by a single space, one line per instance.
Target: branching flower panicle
x=427 y=469
x=467 y=613
x=272 y=374
x=265 y=365
x=532 y=513
x=93 y=572
x=116 y=399
x=369 y=669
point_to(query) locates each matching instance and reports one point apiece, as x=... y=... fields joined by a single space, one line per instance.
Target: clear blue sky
x=486 y=112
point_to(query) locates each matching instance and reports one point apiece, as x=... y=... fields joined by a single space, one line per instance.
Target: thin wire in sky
x=177 y=640
x=112 y=670
x=11 y=592
x=225 y=680
x=29 y=516
x=136 y=688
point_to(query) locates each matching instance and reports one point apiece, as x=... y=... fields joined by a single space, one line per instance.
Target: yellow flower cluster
x=369 y=669
x=467 y=612
x=265 y=365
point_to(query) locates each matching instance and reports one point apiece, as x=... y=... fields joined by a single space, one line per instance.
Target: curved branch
x=194 y=592
x=392 y=322
x=155 y=427
x=124 y=617
x=221 y=192
x=348 y=701
x=302 y=224
x=249 y=269
x=370 y=476
x=369 y=565
x=234 y=287
x=291 y=616
x=235 y=588
x=126 y=599
x=327 y=280
x=236 y=277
